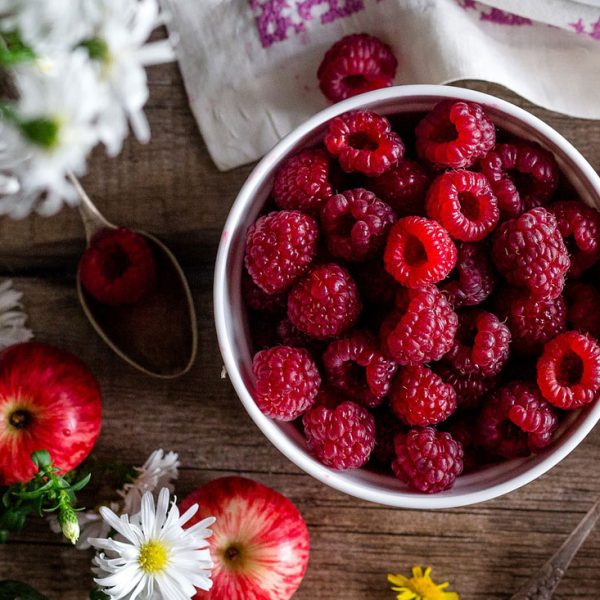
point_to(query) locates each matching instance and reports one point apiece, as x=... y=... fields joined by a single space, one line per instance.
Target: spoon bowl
x=159 y=334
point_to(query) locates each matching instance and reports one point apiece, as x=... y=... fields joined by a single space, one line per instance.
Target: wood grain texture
x=170 y=187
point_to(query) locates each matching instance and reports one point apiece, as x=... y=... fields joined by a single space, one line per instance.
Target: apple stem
x=20 y=419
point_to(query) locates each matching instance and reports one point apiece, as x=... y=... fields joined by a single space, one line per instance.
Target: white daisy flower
x=119 y=49
x=159 y=471
x=47 y=26
x=49 y=131
x=157 y=558
x=12 y=318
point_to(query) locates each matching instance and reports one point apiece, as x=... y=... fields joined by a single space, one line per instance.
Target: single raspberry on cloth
x=464 y=204
x=280 y=247
x=516 y=421
x=356 y=64
x=341 y=438
x=420 y=397
x=287 y=381
x=355 y=224
x=455 y=134
x=568 y=372
x=421 y=328
x=363 y=141
x=354 y=365
x=530 y=252
x=579 y=225
x=522 y=176
x=118 y=267
x=427 y=460
x=419 y=252
x=325 y=302
x=302 y=182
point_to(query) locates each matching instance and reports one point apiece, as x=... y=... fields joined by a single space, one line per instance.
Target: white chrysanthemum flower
x=157 y=557
x=121 y=53
x=48 y=26
x=159 y=471
x=12 y=318
x=91 y=525
x=50 y=130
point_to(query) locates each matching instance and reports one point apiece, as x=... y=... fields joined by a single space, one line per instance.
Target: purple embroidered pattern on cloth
x=495 y=15
x=580 y=27
x=276 y=19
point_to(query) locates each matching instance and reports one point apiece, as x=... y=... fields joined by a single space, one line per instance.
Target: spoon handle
x=544 y=583
x=93 y=220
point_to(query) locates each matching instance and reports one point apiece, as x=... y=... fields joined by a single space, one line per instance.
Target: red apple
x=259 y=544
x=49 y=400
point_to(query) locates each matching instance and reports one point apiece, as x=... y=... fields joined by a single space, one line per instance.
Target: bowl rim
x=338 y=479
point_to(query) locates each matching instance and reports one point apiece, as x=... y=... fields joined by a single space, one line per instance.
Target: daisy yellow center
x=153 y=557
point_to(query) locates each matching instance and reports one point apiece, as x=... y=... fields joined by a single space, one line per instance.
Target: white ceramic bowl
x=230 y=314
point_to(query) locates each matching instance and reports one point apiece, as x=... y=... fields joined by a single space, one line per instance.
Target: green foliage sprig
x=47 y=492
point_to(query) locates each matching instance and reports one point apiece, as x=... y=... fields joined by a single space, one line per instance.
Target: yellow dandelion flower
x=420 y=586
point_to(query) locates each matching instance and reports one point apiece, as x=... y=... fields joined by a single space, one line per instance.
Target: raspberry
x=301 y=183
x=387 y=427
x=427 y=460
x=118 y=267
x=460 y=427
x=455 y=134
x=516 y=421
x=470 y=389
x=287 y=381
x=420 y=397
x=568 y=372
x=473 y=279
x=579 y=225
x=529 y=251
x=419 y=252
x=376 y=285
x=583 y=314
x=355 y=224
x=364 y=141
x=280 y=247
x=341 y=438
x=481 y=345
x=355 y=64
x=522 y=176
x=355 y=366
x=259 y=300
x=403 y=187
x=532 y=321
x=325 y=302
x=464 y=204
x=421 y=328
x=290 y=336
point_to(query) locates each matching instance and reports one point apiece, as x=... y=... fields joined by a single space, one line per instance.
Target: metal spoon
x=159 y=335
x=544 y=583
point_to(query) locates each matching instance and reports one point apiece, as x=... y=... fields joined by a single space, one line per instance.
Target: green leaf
x=40 y=458
x=13 y=50
x=42 y=132
x=97 y=49
x=17 y=590
x=79 y=485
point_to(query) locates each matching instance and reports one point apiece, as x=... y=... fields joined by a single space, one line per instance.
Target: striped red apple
x=260 y=542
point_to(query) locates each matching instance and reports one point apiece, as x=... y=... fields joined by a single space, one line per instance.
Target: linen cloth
x=249 y=66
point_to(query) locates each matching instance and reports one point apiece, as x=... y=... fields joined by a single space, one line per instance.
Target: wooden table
x=171 y=187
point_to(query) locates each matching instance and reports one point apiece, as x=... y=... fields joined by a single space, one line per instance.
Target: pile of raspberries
x=423 y=304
